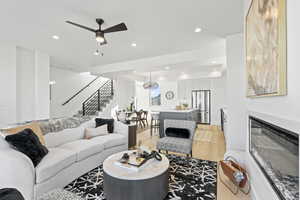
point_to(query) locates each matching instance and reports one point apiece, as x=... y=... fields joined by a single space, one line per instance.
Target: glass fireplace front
x=276 y=151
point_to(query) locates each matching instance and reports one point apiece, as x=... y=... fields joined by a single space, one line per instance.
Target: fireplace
x=276 y=152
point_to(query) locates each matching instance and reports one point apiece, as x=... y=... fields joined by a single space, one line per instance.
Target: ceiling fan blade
x=116 y=28
x=81 y=26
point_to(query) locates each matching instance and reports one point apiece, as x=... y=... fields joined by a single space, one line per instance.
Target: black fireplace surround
x=276 y=151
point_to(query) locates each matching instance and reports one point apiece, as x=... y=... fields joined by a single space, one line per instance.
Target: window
x=155 y=96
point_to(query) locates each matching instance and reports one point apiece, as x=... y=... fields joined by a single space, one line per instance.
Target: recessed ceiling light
x=162 y=78
x=85 y=73
x=55 y=37
x=198 y=30
x=167 y=68
x=133 y=44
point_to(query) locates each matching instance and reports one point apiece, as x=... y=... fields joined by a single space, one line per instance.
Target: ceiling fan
x=99 y=32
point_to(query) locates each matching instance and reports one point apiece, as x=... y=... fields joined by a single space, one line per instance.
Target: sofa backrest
x=55 y=139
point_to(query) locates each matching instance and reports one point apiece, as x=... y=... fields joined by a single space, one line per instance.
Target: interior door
x=201 y=101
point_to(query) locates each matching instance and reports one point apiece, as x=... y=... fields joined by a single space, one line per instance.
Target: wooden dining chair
x=138 y=119
x=145 y=118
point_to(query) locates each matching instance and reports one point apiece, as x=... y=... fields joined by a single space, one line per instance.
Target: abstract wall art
x=266 y=60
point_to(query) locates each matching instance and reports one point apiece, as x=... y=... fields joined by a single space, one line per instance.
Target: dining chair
x=154 y=124
x=145 y=117
x=137 y=119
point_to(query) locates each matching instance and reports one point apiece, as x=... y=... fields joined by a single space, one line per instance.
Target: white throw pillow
x=94 y=132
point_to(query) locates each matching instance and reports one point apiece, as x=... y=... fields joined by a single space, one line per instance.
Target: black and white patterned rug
x=190 y=179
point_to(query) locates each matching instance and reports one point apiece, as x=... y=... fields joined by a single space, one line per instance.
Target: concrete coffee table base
x=150 y=182
x=149 y=189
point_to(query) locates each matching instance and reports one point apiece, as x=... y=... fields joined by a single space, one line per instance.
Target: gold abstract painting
x=266 y=48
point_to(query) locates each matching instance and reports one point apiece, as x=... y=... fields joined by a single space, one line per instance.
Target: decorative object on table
x=236 y=174
x=169 y=95
x=266 y=52
x=124 y=158
x=189 y=179
x=10 y=194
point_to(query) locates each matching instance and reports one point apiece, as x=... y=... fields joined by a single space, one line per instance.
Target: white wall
x=236 y=94
x=67 y=84
x=24 y=83
x=166 y=86
x=32 y=85
x=7 y=84
x=142 y=96
x=42 y=78
x=124 y=92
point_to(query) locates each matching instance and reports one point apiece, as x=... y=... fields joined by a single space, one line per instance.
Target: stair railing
x=77 y=93
x=98 y=99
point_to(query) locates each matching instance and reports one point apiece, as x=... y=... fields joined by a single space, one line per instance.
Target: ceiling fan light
x=100 y=37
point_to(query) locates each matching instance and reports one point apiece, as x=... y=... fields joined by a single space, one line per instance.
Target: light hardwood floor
x=209 y=144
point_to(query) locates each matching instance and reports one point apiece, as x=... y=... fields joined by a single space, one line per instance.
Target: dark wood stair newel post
x=99 y=100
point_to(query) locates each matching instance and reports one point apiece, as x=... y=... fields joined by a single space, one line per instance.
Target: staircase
x=98 y=100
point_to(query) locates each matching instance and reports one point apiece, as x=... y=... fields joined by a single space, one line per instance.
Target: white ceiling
x=158 y=27
x=171 y=73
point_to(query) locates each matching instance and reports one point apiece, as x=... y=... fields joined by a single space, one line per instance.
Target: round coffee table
x=149 y=182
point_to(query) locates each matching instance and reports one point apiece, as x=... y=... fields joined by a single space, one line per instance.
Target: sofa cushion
x=56 y=160
x=110 y=140
x=84 y=148
x=65 y=136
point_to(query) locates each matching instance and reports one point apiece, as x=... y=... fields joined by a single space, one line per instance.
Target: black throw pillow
x=109 y=122
x=27 y=142
x=10 y=194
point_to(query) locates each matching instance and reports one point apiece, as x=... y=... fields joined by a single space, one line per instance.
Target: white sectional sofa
x=70 y=156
